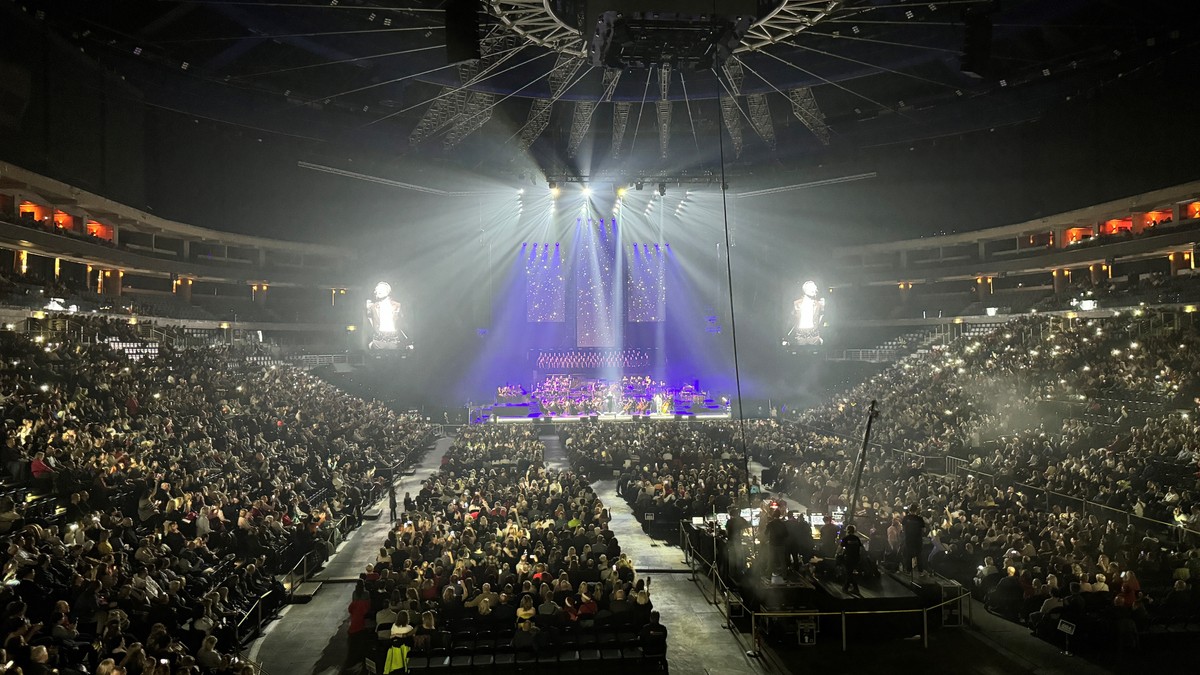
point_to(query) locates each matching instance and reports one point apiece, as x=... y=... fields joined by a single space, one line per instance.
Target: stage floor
x=611 y=417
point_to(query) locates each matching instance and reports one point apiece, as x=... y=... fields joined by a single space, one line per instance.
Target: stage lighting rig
x=643 y=33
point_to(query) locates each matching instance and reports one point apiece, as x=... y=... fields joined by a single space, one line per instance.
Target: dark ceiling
x=369 y=74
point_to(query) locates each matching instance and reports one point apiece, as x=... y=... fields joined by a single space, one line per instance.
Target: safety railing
x=299 y=574
x=726 y=599
x=843 y=614
x=252 y=621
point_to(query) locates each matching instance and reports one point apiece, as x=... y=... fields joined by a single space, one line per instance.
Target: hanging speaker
x=462 y=30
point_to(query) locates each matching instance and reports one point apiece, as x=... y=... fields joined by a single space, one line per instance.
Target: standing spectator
x=851 y=558
x=914 y=529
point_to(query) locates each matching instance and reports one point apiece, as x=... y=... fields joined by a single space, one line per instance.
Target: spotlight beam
x=560 y=95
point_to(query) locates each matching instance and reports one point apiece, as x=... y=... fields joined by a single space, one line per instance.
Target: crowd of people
x=147 y=505
x=497 y=554
x=1051 y=498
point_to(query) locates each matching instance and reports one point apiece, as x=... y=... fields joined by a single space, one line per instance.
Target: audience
x=498 y=542
x=149 y=503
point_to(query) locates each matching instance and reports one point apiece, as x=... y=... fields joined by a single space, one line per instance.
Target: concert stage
x=611 y=417
x=571 y=397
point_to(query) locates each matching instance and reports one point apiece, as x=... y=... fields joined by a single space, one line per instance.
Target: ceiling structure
x=807 y=77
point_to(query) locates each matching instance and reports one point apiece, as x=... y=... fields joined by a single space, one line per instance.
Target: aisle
x=698 y=643
x=311 y=638
x=556 y=455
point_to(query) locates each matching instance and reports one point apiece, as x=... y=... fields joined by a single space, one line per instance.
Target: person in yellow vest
x=397 y=654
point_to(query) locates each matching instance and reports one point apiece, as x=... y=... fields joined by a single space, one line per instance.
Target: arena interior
x=731 y=336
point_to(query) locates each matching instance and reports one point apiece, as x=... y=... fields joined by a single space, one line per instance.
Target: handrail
x=721 y=591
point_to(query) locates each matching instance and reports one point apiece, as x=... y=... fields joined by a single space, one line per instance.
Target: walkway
x=311 y=638
x=698 y=642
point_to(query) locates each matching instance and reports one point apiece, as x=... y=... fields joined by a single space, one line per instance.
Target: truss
x=447 y=107
x=733 y=122
x=582 y=118
x=791 y=18
x=533 y=21
x=477 y=113
x=730 y=112
x=539 y=113
x=620 y=121
x=451 y=103
x=760 y=117
x=663 y=108
x=734 y=74
x=664 y=126
x=611 y=77
x=580 y=121
x=804 y=106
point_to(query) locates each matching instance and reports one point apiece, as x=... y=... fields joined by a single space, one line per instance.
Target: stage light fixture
x=554 y=192
x=587 y=192
x=662 y=189
x=621 y=191
x=639 y=185
x=520 y=191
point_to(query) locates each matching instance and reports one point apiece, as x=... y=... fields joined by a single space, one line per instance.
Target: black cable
x=737 y=374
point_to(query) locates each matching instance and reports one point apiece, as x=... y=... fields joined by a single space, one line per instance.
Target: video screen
x=807 y=317
x=385 y=316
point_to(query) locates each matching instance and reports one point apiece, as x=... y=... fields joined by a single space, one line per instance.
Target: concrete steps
x=305 y=592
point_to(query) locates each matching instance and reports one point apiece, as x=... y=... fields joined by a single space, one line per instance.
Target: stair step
x=305 y=592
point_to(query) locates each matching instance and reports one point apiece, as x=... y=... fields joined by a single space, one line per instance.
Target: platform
x=612 y=417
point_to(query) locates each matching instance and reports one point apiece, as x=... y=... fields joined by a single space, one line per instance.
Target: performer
x=809 y=311
x=385 y=316
x=851 y=558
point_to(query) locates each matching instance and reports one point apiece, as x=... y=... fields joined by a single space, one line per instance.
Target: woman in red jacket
x=359 y=635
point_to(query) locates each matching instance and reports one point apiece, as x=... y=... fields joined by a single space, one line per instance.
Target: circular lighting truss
x=534 y=21
x=788 y=20
x=538 y=24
